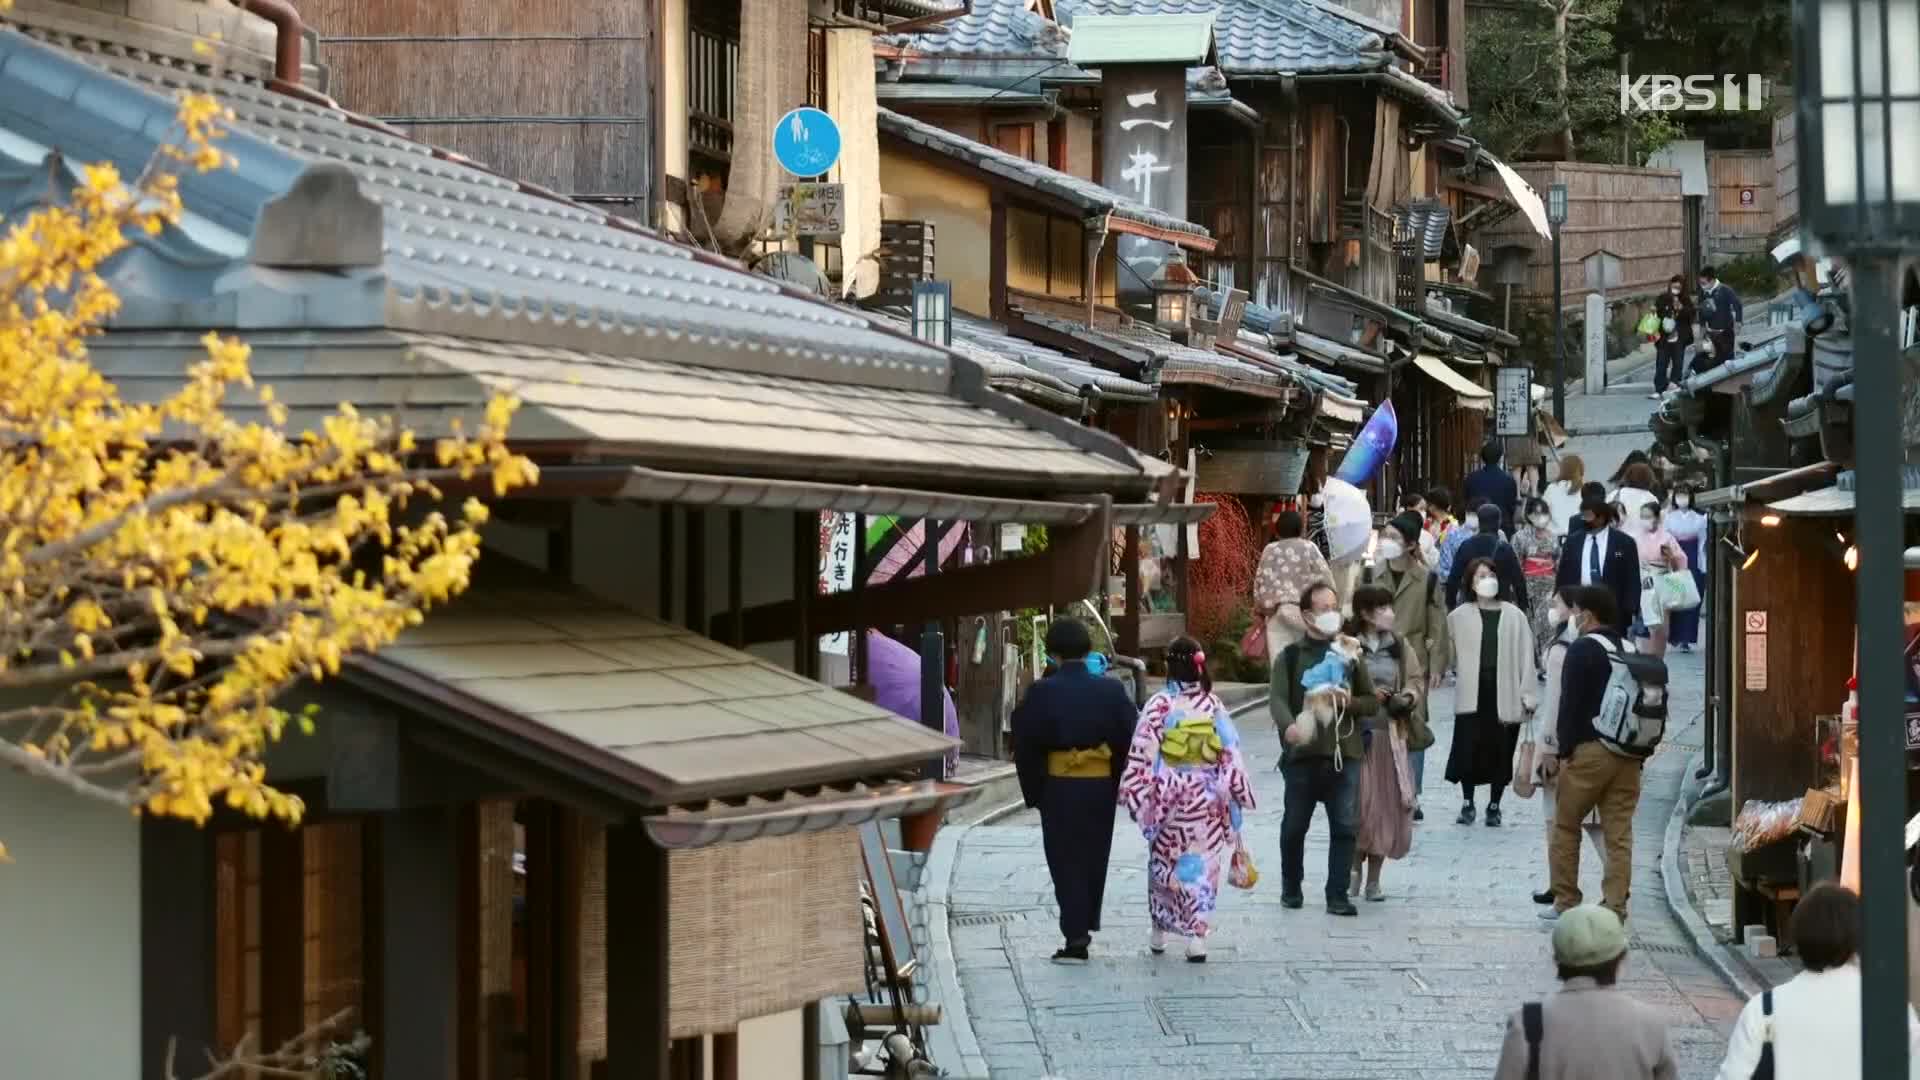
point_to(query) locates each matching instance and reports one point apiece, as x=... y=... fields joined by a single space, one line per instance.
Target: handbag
x=1523 y=765
x=1677 y=590
x=1253 y=643
x=1241 y=873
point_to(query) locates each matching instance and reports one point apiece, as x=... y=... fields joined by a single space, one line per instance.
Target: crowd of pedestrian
x=1551 y=628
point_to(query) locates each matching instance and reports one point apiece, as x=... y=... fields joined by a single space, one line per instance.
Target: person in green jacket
x=1326 y=770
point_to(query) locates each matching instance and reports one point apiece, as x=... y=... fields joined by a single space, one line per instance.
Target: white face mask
x=1383 y=619
x=1556 y=615
x=1390 y=549
x=1486 y=588
x=1683 y=501
x=1327 y=622
x=1541 y=521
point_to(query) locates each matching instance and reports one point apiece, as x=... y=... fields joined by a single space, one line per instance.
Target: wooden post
x=806 y=584
x=997 y=259
x=696 y=613
x=639 y=947
x=417 y=934
x=857 y=644
x=1129 y=622
x=735 y=543
x=177 y=902
x=665 y=612
x=1096 y=241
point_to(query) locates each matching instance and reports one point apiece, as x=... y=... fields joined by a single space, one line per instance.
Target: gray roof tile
x=1088 y=196
x=1169 y=362
x=1254 y=36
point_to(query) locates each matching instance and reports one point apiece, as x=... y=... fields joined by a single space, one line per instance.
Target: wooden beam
x=638 y=948
x=997 y=260
x=1071 y=569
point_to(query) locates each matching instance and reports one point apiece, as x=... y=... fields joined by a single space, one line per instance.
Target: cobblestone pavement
x=1416 y=987
x=1703 y=851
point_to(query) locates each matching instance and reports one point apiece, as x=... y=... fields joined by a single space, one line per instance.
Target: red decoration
x=1221 y=579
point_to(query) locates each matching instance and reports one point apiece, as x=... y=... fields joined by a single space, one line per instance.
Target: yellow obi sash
x=1193 y=741
x=1095 y=763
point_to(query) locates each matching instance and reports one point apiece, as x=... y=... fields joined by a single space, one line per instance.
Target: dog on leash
x=1328 y=690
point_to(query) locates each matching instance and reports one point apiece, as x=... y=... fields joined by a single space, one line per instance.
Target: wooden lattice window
x=713 y=67
x=817 y=67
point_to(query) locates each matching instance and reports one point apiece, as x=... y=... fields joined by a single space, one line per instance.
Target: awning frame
x=1469 y=394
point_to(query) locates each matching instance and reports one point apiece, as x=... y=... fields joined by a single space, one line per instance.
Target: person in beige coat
x=1590 y=1029
x=1419 y=619
x=1496 y=689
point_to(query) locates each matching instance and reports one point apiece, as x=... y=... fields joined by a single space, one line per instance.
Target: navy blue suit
x=1619 y=571
x=1074 y=709
x=1494 y=484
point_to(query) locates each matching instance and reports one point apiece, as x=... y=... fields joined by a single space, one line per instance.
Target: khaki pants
x=1594 y=777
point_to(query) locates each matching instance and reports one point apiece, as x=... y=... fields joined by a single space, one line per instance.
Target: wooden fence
x=1740 y=202
x=1637 y=214
x=1786 y=177
x=550 y=92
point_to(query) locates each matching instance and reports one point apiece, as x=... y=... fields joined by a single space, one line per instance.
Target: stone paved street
x=1416 y=987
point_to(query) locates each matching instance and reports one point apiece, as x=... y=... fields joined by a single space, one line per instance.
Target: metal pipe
x=287 y=30
x=1879 y=528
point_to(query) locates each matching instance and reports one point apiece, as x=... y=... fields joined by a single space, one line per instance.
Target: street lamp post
x=1556 y=217
x=1857 y=92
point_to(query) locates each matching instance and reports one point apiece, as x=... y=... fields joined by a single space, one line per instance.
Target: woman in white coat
x=1493 y=654
x=1810 y=1025
x=1546 y=736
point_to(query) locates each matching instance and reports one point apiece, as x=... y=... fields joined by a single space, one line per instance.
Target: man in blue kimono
x=1070 y=740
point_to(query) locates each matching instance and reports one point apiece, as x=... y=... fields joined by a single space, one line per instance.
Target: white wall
x=69 y=935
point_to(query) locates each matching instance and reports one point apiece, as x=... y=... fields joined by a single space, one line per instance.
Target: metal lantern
x=1173 y=294
x=1557 y=204
x=1858 y=96
x=933 y=311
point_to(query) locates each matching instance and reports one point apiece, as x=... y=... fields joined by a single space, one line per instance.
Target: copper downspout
x=288 y=30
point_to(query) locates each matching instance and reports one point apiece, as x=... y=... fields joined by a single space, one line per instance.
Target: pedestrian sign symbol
x=806 y=142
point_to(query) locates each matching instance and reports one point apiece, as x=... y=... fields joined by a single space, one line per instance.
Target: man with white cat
x=1324 y=747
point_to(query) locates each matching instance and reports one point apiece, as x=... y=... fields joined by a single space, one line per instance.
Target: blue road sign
x=806 y=142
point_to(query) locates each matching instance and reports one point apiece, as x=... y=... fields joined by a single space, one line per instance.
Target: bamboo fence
x=1637 y=214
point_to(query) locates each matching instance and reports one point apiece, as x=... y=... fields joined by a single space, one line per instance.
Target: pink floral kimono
x=1185 y=785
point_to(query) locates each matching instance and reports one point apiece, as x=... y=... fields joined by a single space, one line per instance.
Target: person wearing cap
x=1070 y=739
x=1590 y=1029
x=1419 y=619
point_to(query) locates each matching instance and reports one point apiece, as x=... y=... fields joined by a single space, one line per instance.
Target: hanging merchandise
x=1371 y=447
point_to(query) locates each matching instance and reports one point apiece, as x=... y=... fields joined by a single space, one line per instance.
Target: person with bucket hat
x=1590 y=1029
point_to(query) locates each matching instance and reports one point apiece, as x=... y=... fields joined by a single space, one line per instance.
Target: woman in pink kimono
x=1185 y=786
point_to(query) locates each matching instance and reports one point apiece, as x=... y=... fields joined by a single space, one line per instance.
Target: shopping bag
x=1253 y=644
x=1524 y=780
x=1677 y=590
x=1241 y=873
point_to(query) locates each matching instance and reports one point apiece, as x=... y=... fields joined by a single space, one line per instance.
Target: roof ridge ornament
x=323 y=222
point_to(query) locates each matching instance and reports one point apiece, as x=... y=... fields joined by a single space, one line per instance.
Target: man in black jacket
x=1487 y=543
x=1494 y=484
x=1070 y=739
x=1591 y=773
x=1603 y=555
x=1721 y=314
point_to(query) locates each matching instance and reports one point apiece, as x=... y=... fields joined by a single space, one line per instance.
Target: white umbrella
x=1527 y=199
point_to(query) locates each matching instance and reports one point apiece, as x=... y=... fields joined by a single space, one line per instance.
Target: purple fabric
x=893 y=670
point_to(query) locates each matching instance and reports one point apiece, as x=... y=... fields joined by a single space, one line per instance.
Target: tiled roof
x=684 y=716
x=455 y=236
x=1087 y=196
x=470 y=264
x=1169 y=362
x=992 y=28
x=1071 y=370
x=1259 y=37
x=1254 y=37
x=956 y=93
x=672 y=415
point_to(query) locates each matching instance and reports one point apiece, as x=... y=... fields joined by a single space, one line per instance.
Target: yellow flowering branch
x=167 y=568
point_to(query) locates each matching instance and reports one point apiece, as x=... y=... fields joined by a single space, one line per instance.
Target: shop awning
x=1470 y=394
x=1521 y=194
x=1341 y=409
x=655 y=713
x=1780 y=485
x=1834 y=501
x=794 y=812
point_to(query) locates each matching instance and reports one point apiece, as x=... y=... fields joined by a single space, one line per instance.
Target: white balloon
x=1349 y=519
